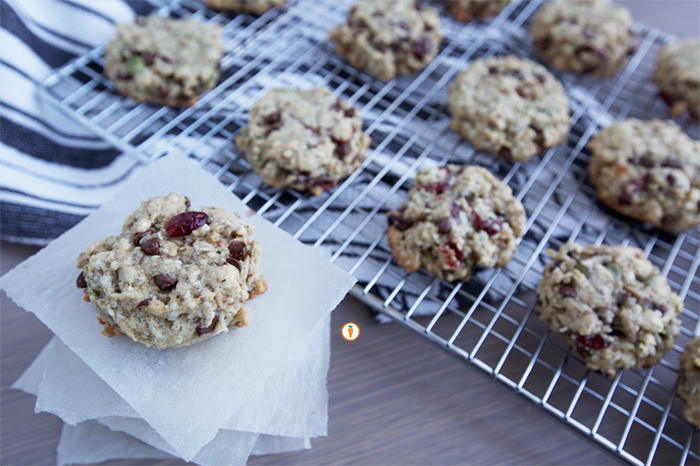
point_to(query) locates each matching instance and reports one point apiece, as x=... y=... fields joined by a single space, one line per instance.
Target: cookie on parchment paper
x=174 y=276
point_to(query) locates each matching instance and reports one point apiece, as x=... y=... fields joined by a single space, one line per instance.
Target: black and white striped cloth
x=53 y=172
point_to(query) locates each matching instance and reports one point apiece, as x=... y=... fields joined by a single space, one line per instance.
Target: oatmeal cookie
x=256 y=7
x=466 y=10
x=585 y=36
x=174 y=276
x=689 y=381
x=511 y=107
x=389 y=37
x=164 y=60
x=456 y=219
x=649 y=171
x=611 y=304
x=678 y=76
x=306 y=140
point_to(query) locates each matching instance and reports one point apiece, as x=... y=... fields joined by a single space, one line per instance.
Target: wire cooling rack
x=490 y=322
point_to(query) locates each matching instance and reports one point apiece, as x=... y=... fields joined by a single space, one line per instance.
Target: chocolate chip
x=273 y=127
x=148 y=58
x=672 y=163
x=670 y=220
x=444 y=226
x=205 y=330
x=493 y=70
x=342 y=149
x=145 y=302
x=80 y=281
x=237 y=249
x=505 y=153
x=165 y=282
x=124 y=76
x=234 y=262
x=567 y=292
x=272 y=118
x=163 y=92
x=151 y=246
x=524 y=92
x=540 y=77
x=185 y=223
x=647 y=161
x=139 y=236
x=400 y=223
x=662 y=307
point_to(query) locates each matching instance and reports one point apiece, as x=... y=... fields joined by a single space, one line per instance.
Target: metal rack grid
x=490 y=322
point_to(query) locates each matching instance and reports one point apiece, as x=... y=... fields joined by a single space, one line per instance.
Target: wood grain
x=394 y=399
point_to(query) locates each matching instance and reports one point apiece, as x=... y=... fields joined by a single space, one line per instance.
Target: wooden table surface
x=394 y=399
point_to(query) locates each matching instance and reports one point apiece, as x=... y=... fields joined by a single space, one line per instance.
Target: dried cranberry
x=455 y=210
x=163 y=92
x=593 y=342
x=636 y=184
x=516 y=74
x=404 y=26
x=234 y=262
x=325 y=185
x=350 y=112
x=143 y=303
x=237 y=249
x=567 y=291
x=624 y=198
x=139 y=236
x=381 y=46
x=272 y=118
x=493 y=70
x=151 y=246
x=205 y=330
x=337 y=105
x=649 y=179
x=444 y=226
x=671 y=180
x=165 y=282
x=185 y=223
x=540 y=77
x=421 y=48
x=148 y=58
x=491 y=227
x=451 y=256
x=400 y=223
x=80 y=281
x=168 y=60
x=438 y=187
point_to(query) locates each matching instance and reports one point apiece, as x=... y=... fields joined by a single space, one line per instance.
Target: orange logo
x=350 y=331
